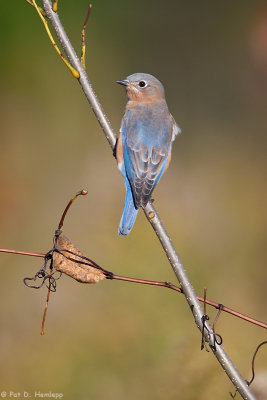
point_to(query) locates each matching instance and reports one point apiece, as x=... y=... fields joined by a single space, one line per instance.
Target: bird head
x=143 y=87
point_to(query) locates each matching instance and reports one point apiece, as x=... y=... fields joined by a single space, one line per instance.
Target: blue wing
x=129 y=210
x=147 y=133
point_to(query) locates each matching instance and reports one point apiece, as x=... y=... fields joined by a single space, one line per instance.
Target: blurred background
x=118 y=340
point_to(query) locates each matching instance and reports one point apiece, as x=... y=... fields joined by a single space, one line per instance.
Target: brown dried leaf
x=80 y=272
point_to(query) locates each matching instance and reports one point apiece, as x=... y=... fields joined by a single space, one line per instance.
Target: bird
x=143 y=149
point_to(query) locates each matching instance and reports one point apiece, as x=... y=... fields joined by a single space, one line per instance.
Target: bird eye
x=142 y=84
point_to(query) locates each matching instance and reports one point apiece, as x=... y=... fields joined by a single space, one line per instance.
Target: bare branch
x=150 y=212
x=194 y=304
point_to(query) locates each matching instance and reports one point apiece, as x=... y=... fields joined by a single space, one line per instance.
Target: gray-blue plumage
x=147 y=132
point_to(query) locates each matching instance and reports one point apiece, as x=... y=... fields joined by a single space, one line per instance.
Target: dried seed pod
x=64 y=263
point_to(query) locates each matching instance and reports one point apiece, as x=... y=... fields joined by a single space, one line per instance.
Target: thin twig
x=217 y=317
x=46 y=303
x=83 y=36
x=39 y=11
x=23 y=253
x=150 y=211
x=83 y=80
x=204 y=319
x=169 y=285
x=165 y=284
x=55 y=6
x=253 y=361
x=80 y=193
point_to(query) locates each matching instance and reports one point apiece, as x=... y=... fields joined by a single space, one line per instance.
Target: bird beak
x=124 y=83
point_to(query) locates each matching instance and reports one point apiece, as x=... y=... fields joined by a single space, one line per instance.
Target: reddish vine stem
x=158 y=283
x=46 y=305
x=23 y=253
x=253 y=361
x=204 y=319
x=81 y=192
x=209 y=302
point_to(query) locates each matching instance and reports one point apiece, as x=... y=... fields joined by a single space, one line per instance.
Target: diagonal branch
x=150 y=211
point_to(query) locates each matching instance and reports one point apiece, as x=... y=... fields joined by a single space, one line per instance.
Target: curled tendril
x=43 y=277
x=217 y=338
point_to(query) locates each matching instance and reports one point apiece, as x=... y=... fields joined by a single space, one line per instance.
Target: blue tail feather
x=129 y=214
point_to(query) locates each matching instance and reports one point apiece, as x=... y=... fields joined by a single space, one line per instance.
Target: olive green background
x=118 y=340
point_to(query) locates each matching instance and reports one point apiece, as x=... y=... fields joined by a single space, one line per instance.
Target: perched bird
x=143 y=149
